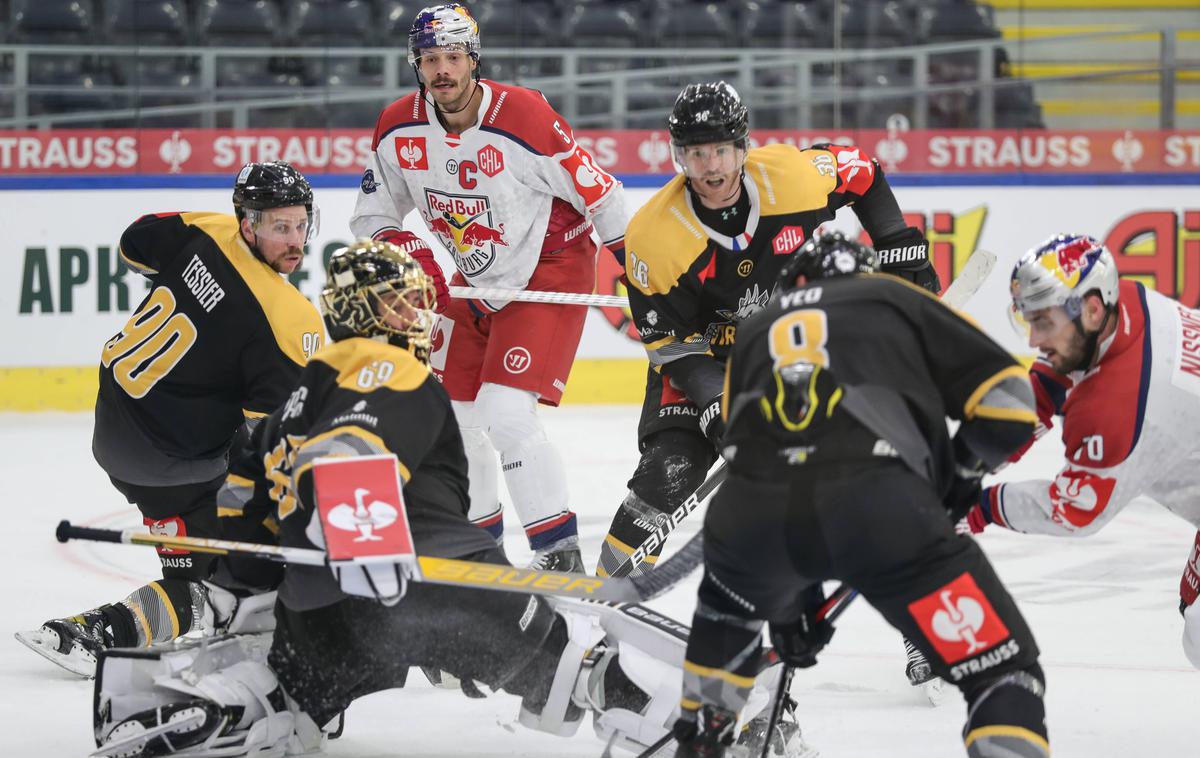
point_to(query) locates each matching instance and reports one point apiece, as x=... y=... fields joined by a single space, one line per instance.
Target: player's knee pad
x=1191 y=633
x=674 y=463
x=509 y=416
x=1006 y=716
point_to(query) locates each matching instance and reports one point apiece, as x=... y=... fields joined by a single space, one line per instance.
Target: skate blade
x=935 y=691
x=45 y=643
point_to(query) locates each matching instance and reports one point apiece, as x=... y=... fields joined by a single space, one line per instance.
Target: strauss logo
x=175 y=151
x=654 y=151
x=412 y=154
x=959 y=621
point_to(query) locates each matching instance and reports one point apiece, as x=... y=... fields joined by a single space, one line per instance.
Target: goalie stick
x=966 y=284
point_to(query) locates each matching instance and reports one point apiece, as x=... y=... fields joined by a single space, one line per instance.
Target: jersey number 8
x=153 y=341
x=800 y=337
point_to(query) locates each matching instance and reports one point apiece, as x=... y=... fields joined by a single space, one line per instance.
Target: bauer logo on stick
x=362 y=510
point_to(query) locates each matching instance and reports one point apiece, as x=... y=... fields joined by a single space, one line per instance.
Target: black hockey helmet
x=374 y=289
x=262 y=186
x=828 y=255
x=708 y=112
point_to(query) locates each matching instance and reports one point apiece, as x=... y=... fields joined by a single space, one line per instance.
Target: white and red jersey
x=497 y=195
x=1129 y=425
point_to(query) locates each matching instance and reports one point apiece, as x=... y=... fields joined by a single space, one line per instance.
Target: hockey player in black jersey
x=340 y=637
x=219 y=340
x=702 y=255
x=841 y=467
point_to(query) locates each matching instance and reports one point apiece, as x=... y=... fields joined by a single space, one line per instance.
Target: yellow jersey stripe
x=715 y=673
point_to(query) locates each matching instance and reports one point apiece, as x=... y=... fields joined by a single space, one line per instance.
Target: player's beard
x=456 y=99
x=289 y=261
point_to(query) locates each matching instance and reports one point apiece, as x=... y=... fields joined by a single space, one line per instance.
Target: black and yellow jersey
x=356 y=397
x=221 y=337
x=911 y=361
x=690 y=285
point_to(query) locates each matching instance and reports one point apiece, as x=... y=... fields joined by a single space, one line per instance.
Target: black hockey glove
x=967 y=486
x=906 y=255
x=711 y=422
x=799 y=642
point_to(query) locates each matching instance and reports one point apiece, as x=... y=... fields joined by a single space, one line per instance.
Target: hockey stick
x=682 y=511
x=533 y=296
x=966 y=284
x=830 y=610
x=447 y=571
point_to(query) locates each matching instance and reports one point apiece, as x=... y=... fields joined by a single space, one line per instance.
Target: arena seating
x=612 y=24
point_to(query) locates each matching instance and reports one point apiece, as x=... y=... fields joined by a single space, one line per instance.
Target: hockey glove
x=385 y=582
x=711 y=422
x=799 y=642
x=906 y=255
x=416 y=247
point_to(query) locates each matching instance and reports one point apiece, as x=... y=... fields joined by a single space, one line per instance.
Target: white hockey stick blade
x=970 y=279
x=533 y=296
x=935 y=691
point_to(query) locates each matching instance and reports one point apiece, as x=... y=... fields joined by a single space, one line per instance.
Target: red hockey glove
x=416 y=247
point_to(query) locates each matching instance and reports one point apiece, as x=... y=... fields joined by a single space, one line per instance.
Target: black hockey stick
x=682 y=511
x=829 y=611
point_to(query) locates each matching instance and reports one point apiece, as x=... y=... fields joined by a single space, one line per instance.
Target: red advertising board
x=319 y=151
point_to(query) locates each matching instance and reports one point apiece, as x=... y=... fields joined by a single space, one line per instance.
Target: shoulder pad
x=364 y=365
x=663 y=240
x=525 y=116
x=791 y=180
x=406 y=111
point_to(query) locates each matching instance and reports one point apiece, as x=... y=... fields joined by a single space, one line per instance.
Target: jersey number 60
x=153 y=341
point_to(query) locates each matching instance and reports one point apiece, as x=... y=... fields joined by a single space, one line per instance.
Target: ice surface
x=1103 y=610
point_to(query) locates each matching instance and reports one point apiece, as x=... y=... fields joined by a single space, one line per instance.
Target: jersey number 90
x=153 y=341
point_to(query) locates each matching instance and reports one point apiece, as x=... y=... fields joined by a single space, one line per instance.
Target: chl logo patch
x=517 y=360
x=491 y=160
x=959 y=620
x=168 y=527
x=788 y=239
x=410 y=151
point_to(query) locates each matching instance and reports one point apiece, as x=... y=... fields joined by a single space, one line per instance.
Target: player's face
x=1054 y=335
x=279 y=235
x=400 y=311
x=714 y=170
x=447 y=73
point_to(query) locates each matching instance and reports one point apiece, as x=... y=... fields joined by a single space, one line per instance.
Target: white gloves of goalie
x=385 y=581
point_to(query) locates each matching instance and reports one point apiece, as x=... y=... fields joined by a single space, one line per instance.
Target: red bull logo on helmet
x=1070 y=259
x=465 y=225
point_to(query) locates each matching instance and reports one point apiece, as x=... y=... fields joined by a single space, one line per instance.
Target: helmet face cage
x=447 y=26
x=1060 y=272
x=376 y=290
x=262 y=187
x=828 y=255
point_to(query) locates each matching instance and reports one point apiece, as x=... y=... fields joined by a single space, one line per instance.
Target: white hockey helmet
x=1060 y=272
x=450 y=25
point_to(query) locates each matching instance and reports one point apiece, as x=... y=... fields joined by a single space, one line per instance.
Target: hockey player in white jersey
x=498 y=178
x=1121 y=365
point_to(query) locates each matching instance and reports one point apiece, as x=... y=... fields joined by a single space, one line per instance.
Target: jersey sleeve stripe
x=1144 y=379
x=972 y=406
x=141 y=268
x=343 y=442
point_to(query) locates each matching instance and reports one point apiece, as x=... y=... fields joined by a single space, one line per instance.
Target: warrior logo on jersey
x=466 y=228
x=958 y=619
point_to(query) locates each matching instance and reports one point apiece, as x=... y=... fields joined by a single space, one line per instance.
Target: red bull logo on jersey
x=1071 y=260
x=465 y=225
